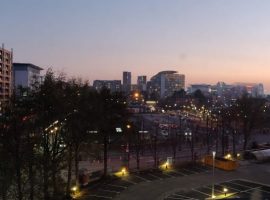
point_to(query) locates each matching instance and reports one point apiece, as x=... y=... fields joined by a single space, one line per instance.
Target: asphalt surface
x=113 y=188
x=238 y=189
x=202 y=182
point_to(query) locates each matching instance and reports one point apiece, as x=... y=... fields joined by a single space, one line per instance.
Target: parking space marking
x=240 y=187
x=99 y=196
x=243 y=186
x=155 y=176
x=230 y=187
x=202 y=169
x=255 y=182
x=170 y=197
x=193 y=172
x=144 y=179
x=175 y=174
x=182 y=196
x=112 y=191
x=201 y=192
x=129 y=181
x=169 y=175
x=178 y=172
x=166 y=175
x=260 y=185
x=251 y=189
x=120 y=186
x=207 y=190
x=133 y=179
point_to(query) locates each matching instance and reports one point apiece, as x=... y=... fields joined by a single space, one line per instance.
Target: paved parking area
x=235 y=189
x=111 y=188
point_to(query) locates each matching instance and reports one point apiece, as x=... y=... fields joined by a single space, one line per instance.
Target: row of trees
x=43 y=130
x=246 y=116
x=222 y=122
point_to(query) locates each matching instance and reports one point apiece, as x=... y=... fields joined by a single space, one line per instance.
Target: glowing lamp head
x=136 y=94
x=124 y=171
x=74 y=189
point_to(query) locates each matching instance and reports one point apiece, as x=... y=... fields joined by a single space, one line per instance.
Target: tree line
x=42 y=132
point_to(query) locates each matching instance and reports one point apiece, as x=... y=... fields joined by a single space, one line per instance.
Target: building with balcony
x=6 y=81
x=165 y=83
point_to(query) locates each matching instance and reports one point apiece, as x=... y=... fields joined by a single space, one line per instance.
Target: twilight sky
x=207 y=40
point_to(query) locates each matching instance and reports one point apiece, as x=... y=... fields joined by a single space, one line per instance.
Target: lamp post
x=225 y=190
x=213 y=184
x=128 y=145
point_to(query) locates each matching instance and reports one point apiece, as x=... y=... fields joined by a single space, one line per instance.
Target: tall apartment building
x=6 y=59
x=127 y=82
x=141 y=83
x=165 y=83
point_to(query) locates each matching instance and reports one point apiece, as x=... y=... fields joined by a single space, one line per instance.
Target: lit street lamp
x=225 y=190
x=128 y=145
x=213 y=184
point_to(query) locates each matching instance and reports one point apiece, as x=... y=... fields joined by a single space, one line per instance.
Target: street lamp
x=128 y=145
x=123 y=171
x=74 y=190
x=225 y=190
x=213 y=186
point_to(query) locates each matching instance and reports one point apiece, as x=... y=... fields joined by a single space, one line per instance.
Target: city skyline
x=207 y=41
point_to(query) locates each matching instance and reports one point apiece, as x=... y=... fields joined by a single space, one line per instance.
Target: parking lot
x=111 y=188
x=236 y=189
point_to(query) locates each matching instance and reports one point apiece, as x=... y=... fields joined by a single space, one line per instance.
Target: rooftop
x=27 y=65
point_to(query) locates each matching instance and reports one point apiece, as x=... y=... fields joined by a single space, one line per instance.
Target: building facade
x=26 y=75
x=141 y=82
x=204 y=88
x=165 y=83
x=112 y=85
x=6 y=81
x=126 y=82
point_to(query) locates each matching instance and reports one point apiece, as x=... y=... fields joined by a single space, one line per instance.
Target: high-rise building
x=204 y=88
x=141 y=83
x=165 y=83
x=112 y=85
x=127 y=82
x=6 y=59
x=26 y=75
x=253 y=89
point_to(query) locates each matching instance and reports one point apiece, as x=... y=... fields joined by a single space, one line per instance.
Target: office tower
x=165 y=83
x=141 y=83
x=127 y=82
